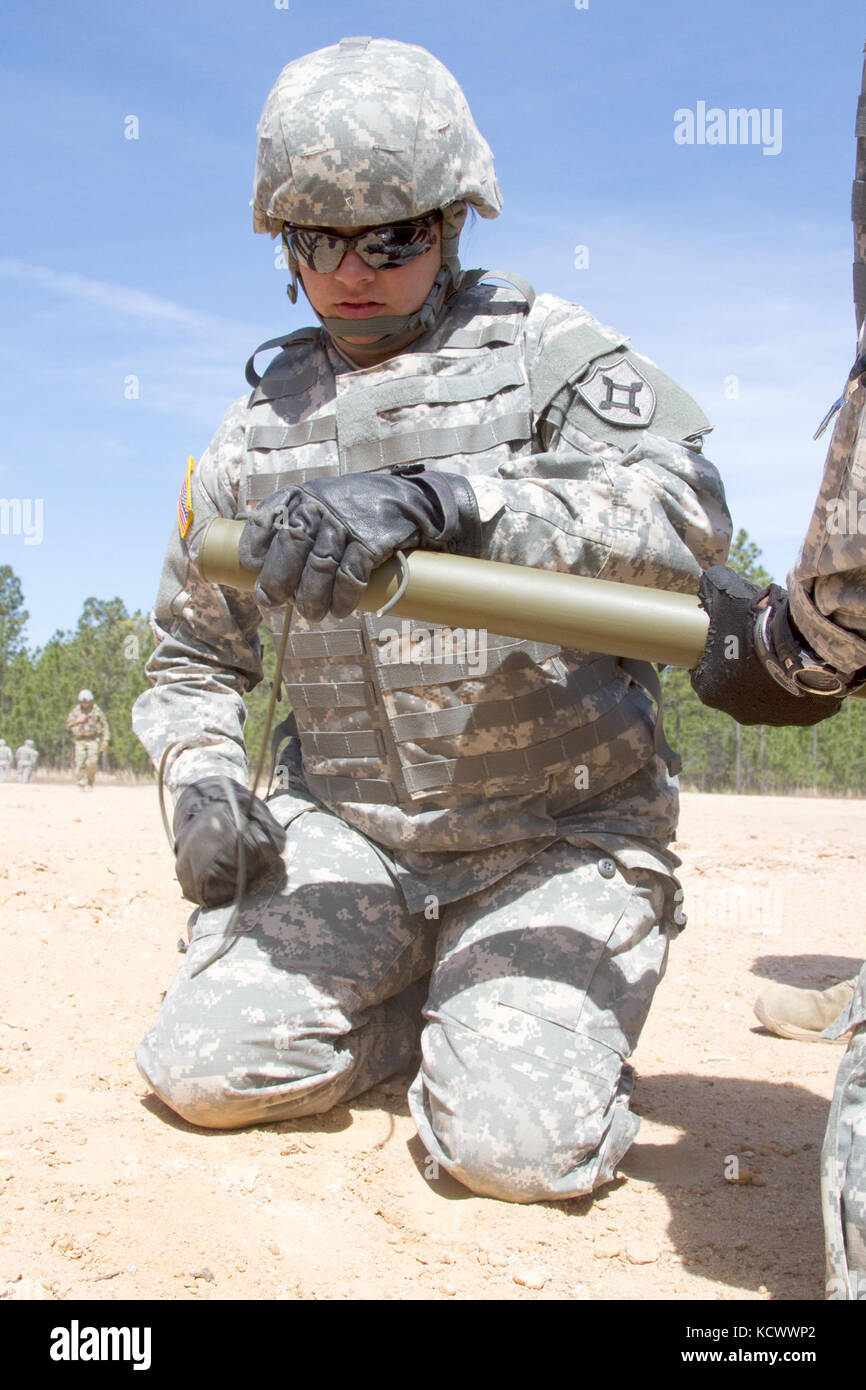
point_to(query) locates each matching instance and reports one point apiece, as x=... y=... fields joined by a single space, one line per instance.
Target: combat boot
x=803 y=1014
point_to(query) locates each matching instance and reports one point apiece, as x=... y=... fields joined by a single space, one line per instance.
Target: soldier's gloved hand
x=207 y=840
x=318 y=544
x=731 y=675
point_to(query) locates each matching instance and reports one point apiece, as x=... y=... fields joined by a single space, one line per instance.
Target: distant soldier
x=89 y=729
x=26 y=758
x=5 y=759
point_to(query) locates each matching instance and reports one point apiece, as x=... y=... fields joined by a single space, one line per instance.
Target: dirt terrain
x=105 y=1195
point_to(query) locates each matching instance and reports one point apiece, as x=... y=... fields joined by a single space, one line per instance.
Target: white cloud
x=117 y=299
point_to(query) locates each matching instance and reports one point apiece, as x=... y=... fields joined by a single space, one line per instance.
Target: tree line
x=109 y=647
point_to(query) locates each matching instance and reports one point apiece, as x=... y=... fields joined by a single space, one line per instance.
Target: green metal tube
x=514 y=600
x=568 y=610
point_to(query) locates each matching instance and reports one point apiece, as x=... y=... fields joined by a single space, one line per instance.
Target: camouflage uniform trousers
x=843 y=1159
x=540 y=986
x=86 y=761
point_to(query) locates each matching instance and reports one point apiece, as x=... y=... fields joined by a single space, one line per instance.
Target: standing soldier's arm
x=797 y=653
x=827 y=586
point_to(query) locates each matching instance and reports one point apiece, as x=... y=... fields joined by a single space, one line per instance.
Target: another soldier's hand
x=207 y=840
x=319 y=544
x=731 y=675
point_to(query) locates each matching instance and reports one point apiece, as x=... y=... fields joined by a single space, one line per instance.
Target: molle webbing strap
x=372 y=790
x=315 y=431
x=331 y=695
x=347 y=641
x=439 y=443
x=404 y=675
x=541 y=758
x=502 y=333
x=362 y=743
x=534 y=706
x=362 y=407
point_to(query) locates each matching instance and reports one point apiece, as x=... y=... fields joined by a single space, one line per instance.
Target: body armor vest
x=401 y=723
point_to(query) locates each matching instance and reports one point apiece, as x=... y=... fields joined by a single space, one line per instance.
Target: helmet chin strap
x=394 y=331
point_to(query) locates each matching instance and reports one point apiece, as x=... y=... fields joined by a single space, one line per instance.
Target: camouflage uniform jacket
x=5 y=755
x=828 y=583
x=25 y=756
x=89 y=727
x=459 y=773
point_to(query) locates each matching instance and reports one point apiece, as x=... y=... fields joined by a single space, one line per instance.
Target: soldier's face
x=356 y=291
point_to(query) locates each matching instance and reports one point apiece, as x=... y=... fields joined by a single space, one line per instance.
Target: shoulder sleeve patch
x=613 y=389
x=623 y=392
x=619 y=394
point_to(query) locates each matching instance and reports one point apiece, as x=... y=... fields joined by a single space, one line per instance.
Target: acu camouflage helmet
x=366 y=132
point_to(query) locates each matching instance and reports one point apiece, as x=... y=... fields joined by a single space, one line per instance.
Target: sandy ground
x=105 y=1195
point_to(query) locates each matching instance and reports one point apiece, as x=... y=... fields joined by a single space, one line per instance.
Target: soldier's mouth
x=363 y=309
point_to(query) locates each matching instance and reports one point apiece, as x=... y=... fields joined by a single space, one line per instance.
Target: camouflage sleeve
x=72 y=717
x=827 y=586
x=208 y=652
x=104 y=734
x=636 y=503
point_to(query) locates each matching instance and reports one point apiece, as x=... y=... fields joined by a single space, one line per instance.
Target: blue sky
x=124 y=258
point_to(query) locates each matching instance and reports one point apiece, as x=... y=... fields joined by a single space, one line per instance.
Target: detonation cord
x=401 y=587
x=230 y=933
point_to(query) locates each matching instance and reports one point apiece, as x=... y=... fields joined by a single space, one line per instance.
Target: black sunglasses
x=382 y=248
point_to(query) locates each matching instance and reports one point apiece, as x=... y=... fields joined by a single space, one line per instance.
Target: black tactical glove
x=207 y=840
x=731 y=675
x=318 y=544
